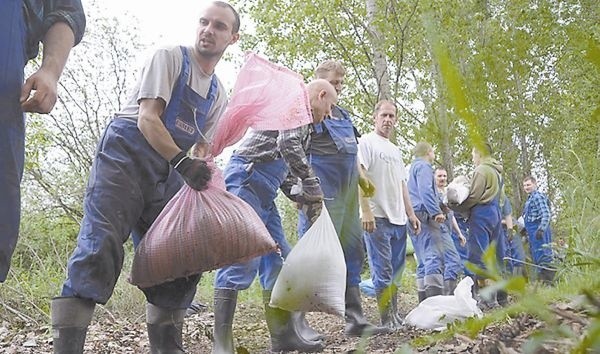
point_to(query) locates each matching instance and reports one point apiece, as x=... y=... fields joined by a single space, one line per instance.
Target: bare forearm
x=157 y=136
x=58 y=42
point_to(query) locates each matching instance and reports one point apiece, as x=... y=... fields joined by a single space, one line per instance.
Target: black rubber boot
x=421 y=295
x=398 y=320
x=547 y=276
x=71 y=317
x=449 y=287
x=164 y=329
x=433 y=291
x=384 y=305
x=305 y=330
x=284 y=334
x=502 y=298
x=356 y=323
x=225 y=301
x=484 y=304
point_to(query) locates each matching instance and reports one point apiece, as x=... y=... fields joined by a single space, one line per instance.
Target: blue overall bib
x=386 y=247
x=541 y=252
x=339 y=181
x=452 y=263
x=12 y=126
x=129 y=185
x=257 y=184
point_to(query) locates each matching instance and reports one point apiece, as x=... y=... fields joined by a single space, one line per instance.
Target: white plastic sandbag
x=458 y=190
x=436 y=311
x=313 y=276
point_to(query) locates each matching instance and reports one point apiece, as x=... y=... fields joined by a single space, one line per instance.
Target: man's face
x=336 y=80
x=385 y=120
x=529 y=186
x=441 y=178
x=215 y=31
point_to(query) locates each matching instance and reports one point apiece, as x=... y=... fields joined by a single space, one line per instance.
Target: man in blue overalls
x=255 y=172
x=140 y=163
x=452 y=262
x=483 y=205
x=333 y=156
x=536 y=214
x=426 y=204
x=59 y=25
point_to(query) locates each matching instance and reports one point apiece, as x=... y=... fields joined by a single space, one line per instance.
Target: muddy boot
x=398 y=320
x=304 y=328
x=71 y=317
x=546 y=276
x=502 y=298
x=433 y=291
x=164 y=329
x=356 y=323
x=225 y=303
x=384 y=305
x=284 y=334
x=449 y=286
x=483 y=303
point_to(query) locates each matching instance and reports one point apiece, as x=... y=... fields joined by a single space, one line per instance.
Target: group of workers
x=156 y=143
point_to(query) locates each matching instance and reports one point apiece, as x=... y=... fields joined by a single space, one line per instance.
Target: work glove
x=312 y=210
x=311 y=191
x=366 y=186
x=195 y=172
x=539 y=234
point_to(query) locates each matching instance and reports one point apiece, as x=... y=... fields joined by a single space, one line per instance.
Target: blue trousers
x=515 y=251
x=339 y=181
x=257 y=184
x=386 y=248
x=452 y=262
x=484 y=228
x=128 y=186
x=430 y=258
x=12 y=127
x=541 y=252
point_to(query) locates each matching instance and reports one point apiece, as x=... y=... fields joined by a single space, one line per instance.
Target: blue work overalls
x=13 y=38
x=541 y=252
x=339 y=180
x=129 y=185
x=257 y=184
x=463 y=251
x=485 y=227
x=452 y=263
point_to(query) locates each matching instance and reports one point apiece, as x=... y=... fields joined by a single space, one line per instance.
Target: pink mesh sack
x=266 y=96
x=202 y=231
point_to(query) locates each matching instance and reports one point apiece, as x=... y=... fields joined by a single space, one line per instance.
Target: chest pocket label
x=185 y=127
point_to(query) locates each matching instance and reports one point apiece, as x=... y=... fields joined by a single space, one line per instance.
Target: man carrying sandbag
x=333 y=155
x=255 y=173
x=384 y=215
x=140 y=163
x=484 y=203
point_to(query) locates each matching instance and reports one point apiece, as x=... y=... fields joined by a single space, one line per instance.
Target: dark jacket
x=40 y=15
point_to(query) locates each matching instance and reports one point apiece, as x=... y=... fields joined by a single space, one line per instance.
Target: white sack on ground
x=313 y=276
x=437 y=311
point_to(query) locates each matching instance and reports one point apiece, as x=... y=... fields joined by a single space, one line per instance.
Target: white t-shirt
x=383 y=162
x=158 y=77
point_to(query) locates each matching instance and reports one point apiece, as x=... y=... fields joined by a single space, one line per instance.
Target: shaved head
x=322 y=96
